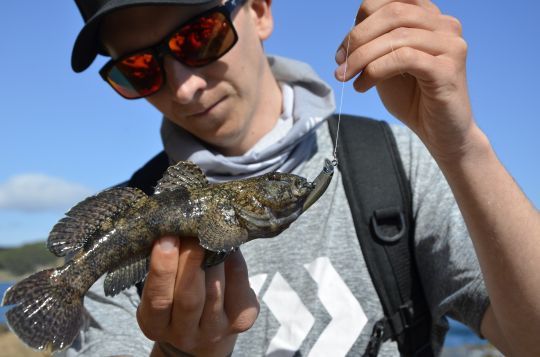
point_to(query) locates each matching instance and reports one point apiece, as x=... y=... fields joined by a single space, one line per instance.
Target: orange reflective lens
x=136 y=76
x=198 y=42
x=203 y=41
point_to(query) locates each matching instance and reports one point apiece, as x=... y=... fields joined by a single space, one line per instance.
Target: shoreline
x=12 y=346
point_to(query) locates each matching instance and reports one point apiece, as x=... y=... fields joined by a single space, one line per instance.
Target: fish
x=112 y=233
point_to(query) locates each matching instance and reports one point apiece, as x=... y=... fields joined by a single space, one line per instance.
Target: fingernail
x=340 y=56
x=168 y=243
x=340 y=73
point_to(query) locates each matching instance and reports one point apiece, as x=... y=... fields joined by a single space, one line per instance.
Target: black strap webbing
x=379 y=195
x=146 y=177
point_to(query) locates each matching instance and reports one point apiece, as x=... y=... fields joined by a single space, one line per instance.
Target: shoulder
x=412 y=151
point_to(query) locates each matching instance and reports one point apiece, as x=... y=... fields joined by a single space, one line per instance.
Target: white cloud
x=37 y=192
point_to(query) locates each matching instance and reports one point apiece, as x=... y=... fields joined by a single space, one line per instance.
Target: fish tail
x=47 y=312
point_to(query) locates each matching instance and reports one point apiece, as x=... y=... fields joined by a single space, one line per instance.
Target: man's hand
x=199 y=312
x=415 y=56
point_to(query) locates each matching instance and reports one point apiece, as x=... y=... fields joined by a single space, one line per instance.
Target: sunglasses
x=198 y=42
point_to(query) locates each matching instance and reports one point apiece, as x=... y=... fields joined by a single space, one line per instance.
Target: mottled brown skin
x=244 y=209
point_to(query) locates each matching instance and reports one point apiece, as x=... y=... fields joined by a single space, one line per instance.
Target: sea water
x=3 y=287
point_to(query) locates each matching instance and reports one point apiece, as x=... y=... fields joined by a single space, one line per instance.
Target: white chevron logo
x=291 y=313
x=348 y=317
x=256 y=282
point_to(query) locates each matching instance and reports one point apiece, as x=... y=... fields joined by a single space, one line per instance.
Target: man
x=237 y=113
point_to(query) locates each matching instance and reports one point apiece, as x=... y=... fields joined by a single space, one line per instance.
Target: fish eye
x=276 y=176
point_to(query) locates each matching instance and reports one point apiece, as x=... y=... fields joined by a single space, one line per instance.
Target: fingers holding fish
x=189 y=293
x=230 y=306
x=213 y=321
x=241 y=304
x=156 y=304
x=184 y=308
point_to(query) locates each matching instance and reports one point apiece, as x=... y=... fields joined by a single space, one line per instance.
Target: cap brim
x=87 y=45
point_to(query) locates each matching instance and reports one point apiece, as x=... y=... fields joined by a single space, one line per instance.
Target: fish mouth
x=304 y=189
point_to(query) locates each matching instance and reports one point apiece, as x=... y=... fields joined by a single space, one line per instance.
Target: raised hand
x=415 y=56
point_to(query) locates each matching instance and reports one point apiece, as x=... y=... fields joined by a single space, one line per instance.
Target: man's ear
x=263 y=19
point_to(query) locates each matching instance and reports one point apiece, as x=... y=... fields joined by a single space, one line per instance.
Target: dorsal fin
x=183 y=174
x=89 y=217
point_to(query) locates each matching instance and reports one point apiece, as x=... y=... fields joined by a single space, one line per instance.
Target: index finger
x=189 y=288
x=368 y=7
x=241 y=304
x=154 y=311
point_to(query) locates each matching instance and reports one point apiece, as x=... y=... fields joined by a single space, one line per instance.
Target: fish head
x=283 y=192
x=276 y=200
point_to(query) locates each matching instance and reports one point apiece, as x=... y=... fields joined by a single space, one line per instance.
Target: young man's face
x=219 y=103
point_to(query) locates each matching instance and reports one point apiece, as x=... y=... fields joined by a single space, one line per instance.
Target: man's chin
x=227 y=142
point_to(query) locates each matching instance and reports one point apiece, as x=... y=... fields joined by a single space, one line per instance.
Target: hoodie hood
x=307 y=102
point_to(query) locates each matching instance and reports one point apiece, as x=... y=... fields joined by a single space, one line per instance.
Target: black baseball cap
x=88 y=45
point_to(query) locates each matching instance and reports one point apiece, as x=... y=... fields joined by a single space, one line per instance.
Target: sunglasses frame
x=161 y=48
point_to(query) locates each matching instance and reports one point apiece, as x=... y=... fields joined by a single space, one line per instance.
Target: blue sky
x=65 y=135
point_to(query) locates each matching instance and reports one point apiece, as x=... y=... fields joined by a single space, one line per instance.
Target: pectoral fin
x=221 y=232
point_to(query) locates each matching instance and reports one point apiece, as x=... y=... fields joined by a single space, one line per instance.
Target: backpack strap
x=146 y=177
x=379 y=196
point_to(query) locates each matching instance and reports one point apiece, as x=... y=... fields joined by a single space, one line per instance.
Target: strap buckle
x=402 y=319
x=376 y=339
x=388 y=224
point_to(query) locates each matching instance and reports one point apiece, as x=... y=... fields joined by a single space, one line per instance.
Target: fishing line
x=335 y=161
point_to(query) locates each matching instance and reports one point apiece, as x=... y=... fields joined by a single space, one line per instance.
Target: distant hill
x=26 y=259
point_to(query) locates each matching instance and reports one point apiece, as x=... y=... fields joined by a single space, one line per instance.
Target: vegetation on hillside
x=26 y=259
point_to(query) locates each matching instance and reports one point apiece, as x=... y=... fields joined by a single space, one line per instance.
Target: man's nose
x=184 y=82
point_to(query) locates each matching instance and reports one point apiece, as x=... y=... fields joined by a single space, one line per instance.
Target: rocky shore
x=12 y=346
